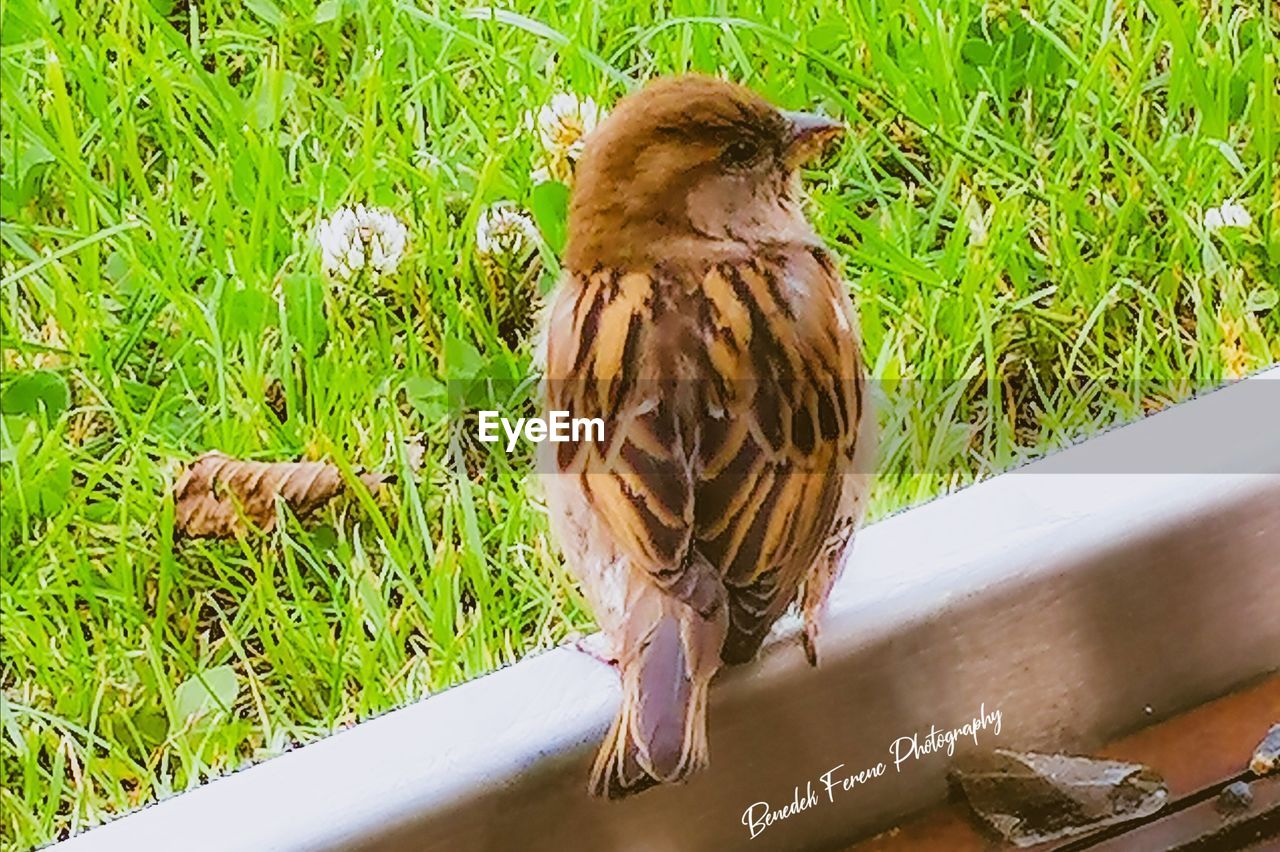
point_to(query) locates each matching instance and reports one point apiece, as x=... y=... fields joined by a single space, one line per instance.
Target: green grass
x=164 y=166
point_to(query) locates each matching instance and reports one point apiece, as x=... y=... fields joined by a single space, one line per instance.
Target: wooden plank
x=1204 y=827
x=1198 y=750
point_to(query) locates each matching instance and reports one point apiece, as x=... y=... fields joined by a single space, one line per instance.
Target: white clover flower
x=505 y=232
x=360 y=237
x=564 y=123
x=1229 y=215
x=562 y=126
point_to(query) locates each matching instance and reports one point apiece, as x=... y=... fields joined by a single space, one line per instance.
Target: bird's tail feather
x=660 y=734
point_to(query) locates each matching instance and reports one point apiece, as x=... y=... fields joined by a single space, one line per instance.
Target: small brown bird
x=705 y=323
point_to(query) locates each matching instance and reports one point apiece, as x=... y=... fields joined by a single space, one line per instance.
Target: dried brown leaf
x=217 y=496
x=1031 y=798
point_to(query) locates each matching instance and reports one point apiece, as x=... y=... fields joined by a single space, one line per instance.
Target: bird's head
x=690 y=162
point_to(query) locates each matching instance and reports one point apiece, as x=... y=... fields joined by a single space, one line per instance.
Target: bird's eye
x=740 y=153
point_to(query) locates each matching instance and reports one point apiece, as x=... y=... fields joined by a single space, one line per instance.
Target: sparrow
x=704 y=322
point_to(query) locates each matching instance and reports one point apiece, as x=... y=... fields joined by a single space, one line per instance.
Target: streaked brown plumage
x=702 y=319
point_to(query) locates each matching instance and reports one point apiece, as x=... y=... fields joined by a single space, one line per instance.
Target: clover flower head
x=562 y=125
x=505 y=232
x=564 y=122
x=1229 y=215
x=360 y=237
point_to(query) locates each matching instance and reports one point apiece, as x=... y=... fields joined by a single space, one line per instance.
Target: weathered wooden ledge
x=1081 y=607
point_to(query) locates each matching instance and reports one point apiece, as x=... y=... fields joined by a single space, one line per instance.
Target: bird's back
x=732 y=398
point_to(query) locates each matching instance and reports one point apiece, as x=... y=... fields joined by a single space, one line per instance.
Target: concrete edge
x=1079 y=607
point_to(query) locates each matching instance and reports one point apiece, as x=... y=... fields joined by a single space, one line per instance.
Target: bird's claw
x=596 y=646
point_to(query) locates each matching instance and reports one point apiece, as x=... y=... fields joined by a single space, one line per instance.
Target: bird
x=700 y=318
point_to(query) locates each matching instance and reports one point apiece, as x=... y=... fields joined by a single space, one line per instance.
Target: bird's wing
x=730 y=410
x=602 y=362
x=775 y=446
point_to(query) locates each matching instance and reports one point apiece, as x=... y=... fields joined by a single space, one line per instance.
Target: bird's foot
x=597 y=646
x=809 y=638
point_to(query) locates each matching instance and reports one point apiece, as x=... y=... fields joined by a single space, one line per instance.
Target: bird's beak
x=809 y=135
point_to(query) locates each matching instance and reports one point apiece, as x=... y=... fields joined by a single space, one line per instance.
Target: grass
x=164 y=166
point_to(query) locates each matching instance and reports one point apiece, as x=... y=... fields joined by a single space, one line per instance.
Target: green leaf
x=323 y=539
x=977 y=52
x=35 y=154
x=324 y=180
x=29 y=392
x=828 y=35
x=150 y=724
x=550 y=207
x=244 y=178
x=272 y=96
x=372 y=604
x=547 y=282
x=26 y=21
x=462 y=361
x=327 y=11
x=267 y=11
x=120 y=269
x=248 y=311
x=464 y=367
x=46 y=492
x=205 y=692
x=1261 y=299
x=428 y=396
x=12 y=728
x=304 y=309
x=1229 y=154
